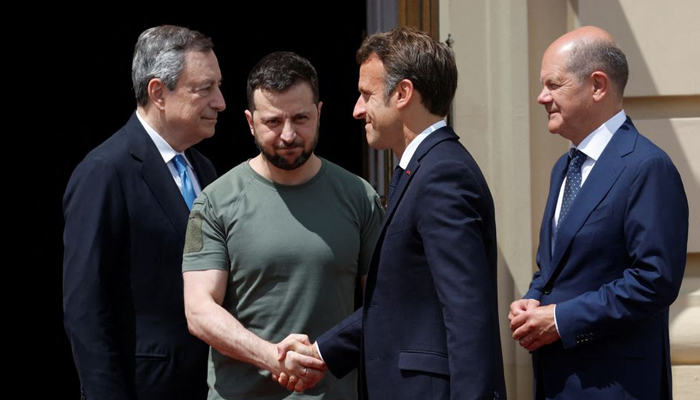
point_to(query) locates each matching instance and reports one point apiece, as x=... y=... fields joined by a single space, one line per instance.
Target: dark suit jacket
x=428 y=328
x=617 y=265
x=125 y=223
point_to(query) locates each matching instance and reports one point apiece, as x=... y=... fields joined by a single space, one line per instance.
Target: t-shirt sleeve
x=205 y=241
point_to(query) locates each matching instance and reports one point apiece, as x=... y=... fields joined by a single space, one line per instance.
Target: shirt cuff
x=318 y=350
x=555 y=320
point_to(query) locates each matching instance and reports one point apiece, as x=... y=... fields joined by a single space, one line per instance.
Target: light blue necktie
x=186 y=182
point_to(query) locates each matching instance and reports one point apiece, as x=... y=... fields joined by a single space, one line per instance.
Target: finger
x=282 y=380
x=300 y=386
x=307 y=361
x=520 y=332
x=518 y=322
x=313 y=376
x=299 y=337
x=292 y=382
x=294 y=342
x=523 y=342
x=536 y=344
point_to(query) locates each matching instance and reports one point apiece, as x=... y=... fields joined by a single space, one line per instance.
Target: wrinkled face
x=382 y=124
x=192 y=107
x=285 y=125
x=566 y=100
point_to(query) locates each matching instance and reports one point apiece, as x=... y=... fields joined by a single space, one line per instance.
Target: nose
x=544 y=96
x=218 y=103
x=359 y=111
x=288 y=132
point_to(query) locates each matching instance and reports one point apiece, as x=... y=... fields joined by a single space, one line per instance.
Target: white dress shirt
x=592 y=146
x=413 y=146
x=168 y=154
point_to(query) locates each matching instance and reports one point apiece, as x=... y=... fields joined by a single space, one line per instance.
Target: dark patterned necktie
x=394 y=181
x=573 y=183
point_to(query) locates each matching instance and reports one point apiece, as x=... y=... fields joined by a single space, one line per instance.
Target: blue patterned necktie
x=394 y=181
x=573 y=183
x=186 y=183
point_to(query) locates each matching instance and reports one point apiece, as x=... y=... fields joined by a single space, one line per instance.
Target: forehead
x=201 y=66
x=372 y=73
x=554 y=61
x=296 y=99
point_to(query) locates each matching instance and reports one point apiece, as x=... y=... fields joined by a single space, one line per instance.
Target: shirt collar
x=594 y=144
x=413 y=146
x=165 y=150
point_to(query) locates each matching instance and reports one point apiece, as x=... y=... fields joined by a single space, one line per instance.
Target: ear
x=601 y=85
x=249 y=117
x=404 y=93
x=320 y=103
x=156 y=92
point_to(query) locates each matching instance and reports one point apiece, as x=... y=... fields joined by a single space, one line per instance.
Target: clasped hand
x=532 y=325
x=301 y=365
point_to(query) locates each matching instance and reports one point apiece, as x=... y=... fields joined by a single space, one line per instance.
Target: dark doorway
x=82 y=65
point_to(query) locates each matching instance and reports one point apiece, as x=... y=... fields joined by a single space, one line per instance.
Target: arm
x=457 y=231
x=95 y=281
x=656 y=229
x=206 y=319
x=655 y=243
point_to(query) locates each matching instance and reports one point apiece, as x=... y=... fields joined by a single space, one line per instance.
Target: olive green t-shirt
x=293 y=254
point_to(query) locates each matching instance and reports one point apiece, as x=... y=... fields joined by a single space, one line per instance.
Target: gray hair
x=160 y=53
x=588 y=56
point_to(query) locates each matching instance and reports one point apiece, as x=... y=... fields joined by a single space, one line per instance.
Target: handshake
x=299 y=366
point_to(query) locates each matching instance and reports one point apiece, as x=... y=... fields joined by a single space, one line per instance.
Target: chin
x=372 y=140
x=553 y=128
x=207 y=133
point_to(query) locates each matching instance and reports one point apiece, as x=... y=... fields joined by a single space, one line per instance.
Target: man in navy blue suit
x=613 y=239
x=428 y=328
x=126 y=207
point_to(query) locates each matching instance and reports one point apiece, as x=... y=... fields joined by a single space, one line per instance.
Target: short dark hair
x=588 y=56
x=279 y=71
x=408 y=53
x=160 y=53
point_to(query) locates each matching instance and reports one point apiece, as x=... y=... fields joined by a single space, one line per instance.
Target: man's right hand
x=303 y=364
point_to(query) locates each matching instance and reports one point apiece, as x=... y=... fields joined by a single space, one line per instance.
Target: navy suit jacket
x=125 y=223
x=428 y=328
x=617 y=265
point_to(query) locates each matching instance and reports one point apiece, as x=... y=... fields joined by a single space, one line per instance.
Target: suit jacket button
x=547 y=289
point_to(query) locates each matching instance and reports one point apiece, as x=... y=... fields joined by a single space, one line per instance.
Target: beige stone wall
x=499 y=45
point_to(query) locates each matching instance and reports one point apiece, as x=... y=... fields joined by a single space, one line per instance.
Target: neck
x=600 y=118
x=303 y=174
x=413 y=129
x=154 y=120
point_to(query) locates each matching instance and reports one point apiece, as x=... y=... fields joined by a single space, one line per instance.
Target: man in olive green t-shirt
x=277 y=244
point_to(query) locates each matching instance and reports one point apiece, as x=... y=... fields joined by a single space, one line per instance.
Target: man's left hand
x=535 y=327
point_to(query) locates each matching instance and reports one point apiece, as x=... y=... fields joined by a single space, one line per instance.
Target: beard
x=281 y=162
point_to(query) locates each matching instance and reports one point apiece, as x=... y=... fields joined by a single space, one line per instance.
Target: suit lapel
x=434 y=138
x=602 y=177
x=157 y=176
x=445 y=133
x=558 y=174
